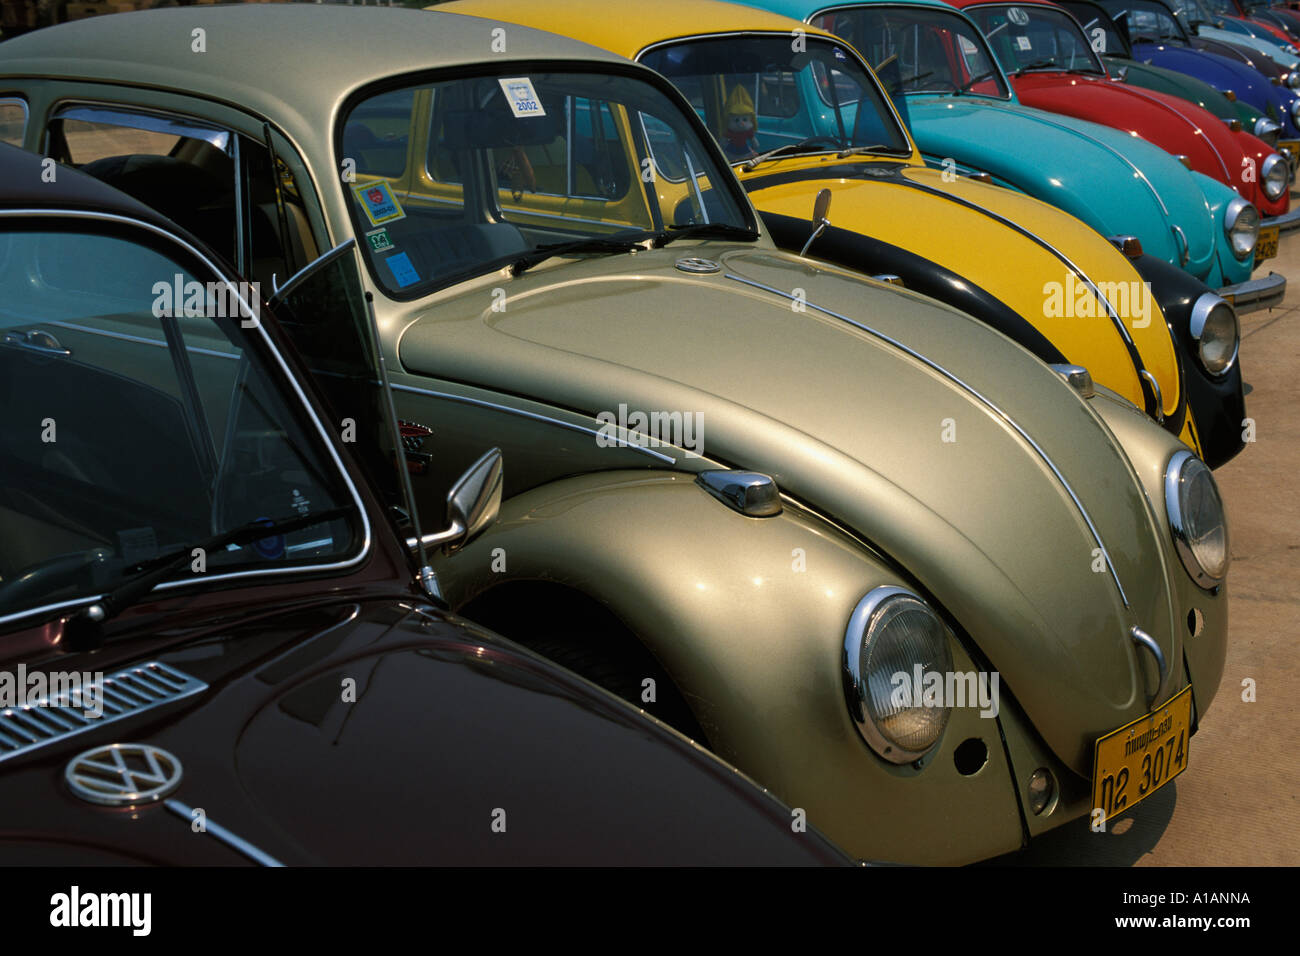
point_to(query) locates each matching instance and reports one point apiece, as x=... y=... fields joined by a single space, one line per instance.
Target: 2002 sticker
x=521 y=96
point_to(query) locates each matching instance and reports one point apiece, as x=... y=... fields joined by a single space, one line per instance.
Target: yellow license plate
x=1266 y=245
x=1135 y=761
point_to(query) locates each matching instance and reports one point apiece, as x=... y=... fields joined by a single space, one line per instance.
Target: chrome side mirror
x=821 y=209
x=472 y=505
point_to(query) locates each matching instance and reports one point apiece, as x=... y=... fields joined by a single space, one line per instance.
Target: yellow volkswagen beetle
x=798 y=113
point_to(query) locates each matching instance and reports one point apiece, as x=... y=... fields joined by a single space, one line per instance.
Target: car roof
x=637 y=25
x=803 y=9
x=25 y=184
x=267 y=57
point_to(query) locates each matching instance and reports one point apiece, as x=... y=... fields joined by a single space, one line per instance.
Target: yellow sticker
x=378 y=201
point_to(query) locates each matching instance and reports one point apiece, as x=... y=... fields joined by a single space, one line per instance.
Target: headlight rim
x=1271 y=162
x=1173 y=511
x=1231 y=214
x=850 y=671
x=1206 y=303
x=1265 y=127
x=1292 y=80
x=1294 y=109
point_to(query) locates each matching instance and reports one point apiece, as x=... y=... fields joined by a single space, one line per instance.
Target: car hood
x=385 y=732
x=1060 y=160
x=1218 y=71
x=900 y=204
x=854 y=426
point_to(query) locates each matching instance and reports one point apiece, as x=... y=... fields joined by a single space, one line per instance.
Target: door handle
x=36 y=340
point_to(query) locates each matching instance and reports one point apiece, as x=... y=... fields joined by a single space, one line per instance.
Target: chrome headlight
x=894 y=636
x=1294 y=110
x=1292 y=80
x=1241 y=225
x=1196 y=519
x=1217 y=333
x=1267 y=130
x=1274 y=175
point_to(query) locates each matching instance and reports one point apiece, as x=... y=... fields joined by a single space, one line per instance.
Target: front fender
x=1217 y=406
x=748 y=617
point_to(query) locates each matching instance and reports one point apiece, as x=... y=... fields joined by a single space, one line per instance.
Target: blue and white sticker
x=1024 y=44
x=522 y=97
x=404 y=273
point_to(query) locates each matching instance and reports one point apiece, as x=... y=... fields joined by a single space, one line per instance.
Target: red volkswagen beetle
x=1053 y=67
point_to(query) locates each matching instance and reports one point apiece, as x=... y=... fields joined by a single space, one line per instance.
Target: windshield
x=1223 y=8
x=1148 y=22
x=756 y=94
x=1098 y=28
x=452 y=179
x=1036 y=38
x=135 y=422
x=919 y=50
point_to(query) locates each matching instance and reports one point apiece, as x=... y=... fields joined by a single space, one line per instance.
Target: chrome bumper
x=1263 y=292
x=1286 y=222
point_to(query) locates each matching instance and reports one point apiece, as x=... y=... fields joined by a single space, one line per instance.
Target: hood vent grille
x=71 y=710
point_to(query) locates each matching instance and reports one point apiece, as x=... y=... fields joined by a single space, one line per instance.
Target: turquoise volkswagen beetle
x=970 y=121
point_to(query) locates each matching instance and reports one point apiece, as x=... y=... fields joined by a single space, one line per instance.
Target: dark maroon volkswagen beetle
x=216 y=646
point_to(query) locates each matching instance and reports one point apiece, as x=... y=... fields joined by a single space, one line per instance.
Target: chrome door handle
x=36 y=340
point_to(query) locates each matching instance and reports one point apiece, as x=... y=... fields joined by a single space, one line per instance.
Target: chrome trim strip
x=139 y=339
x=215 y=829
x=1195 y=129
x=1155 y=387
x=987 y=403
x=119 y=691
x=367 y=536
x=482 y=403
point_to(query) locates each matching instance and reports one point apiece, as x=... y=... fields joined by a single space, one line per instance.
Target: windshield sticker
x=1017 y=16
x=967 y=45
x=404 y=273
x=839 y=54
x=378 y=201
x=379 y=241
x=522 y=97
x=1023 y=43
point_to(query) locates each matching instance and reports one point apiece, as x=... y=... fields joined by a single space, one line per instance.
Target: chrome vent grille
x=124 y=693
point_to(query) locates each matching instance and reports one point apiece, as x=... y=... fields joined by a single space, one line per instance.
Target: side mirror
x=472 y=505
x=821 y=208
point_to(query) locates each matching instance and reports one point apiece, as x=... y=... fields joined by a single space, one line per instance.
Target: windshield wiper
x=785 y=150
x=1039 y=65
x=85 y=629
x=966 y=87
x=705 y=230
x=606 y=244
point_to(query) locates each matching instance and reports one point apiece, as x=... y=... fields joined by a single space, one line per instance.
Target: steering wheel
x=29 y=580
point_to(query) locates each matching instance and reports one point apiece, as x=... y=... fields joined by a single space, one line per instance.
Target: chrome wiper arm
x=606 y=244
x=85 y=629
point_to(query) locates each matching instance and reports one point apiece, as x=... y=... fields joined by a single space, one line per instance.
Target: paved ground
x=1238 y=803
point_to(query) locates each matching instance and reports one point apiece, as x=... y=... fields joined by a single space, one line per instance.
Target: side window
x=597 y=167
x=183 y=169
x=13 y=120
x=219 y=186
x=126 y=433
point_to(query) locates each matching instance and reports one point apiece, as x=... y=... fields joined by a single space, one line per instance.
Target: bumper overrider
x=1262 y=292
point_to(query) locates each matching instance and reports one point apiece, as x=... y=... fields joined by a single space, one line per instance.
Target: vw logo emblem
x=697 y=265
x=122 y=775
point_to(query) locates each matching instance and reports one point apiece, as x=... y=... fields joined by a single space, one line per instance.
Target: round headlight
x=1241 y=224
x=1275 y=175
x=1293 y=80
x=893 y=645
x=1196 y=518
x=1267 y=130
x=1217 y=333
x=1294 y=110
